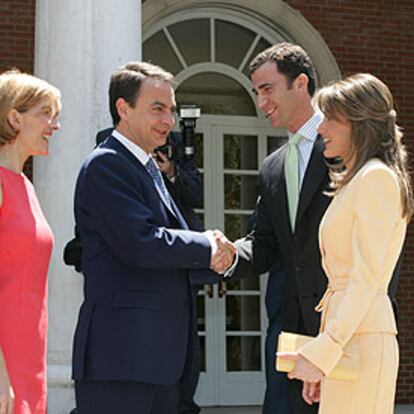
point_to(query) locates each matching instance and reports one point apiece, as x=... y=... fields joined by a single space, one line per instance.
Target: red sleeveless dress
x=25 y=247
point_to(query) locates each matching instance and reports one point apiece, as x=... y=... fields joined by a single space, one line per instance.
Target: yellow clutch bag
x=346 y=369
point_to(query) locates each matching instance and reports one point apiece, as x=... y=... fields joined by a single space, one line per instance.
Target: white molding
x=220 y=68
x=213 y=39
x=249 y=52
x=175 y=47
x=234 y=16
x=273 y=19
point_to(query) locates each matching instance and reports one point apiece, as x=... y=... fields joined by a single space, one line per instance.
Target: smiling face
x=282 y=103
x=336 y=133
x=36 y=126
x=151 y=120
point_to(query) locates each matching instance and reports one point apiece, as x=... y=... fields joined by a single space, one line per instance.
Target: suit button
x=298 y=268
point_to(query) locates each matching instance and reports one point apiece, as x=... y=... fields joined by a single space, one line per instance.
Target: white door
x=231 y=316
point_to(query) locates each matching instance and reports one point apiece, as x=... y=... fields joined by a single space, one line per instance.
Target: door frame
x=216 y=386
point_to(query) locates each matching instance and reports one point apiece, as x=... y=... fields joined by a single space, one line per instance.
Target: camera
x=188 y=118
x=188 y=115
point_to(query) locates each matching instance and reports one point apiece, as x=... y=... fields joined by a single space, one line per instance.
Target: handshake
x=223 y=257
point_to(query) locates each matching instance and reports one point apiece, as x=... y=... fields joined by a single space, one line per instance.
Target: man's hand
x=224 y=256
x=166 y=166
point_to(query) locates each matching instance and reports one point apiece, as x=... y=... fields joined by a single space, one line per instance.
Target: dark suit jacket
x=272 y=239
x=134 y=322
x=275 y=281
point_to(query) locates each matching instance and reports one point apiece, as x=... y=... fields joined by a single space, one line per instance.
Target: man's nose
x=170 y=120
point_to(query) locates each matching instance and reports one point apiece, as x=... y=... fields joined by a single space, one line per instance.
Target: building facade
x=207 y=45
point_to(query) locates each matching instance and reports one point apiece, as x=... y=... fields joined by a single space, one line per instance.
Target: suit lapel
x=178 y=215
x=173 y=211
x=282 y=196
x=315 y=173
x=278 y=189
x=114 y=144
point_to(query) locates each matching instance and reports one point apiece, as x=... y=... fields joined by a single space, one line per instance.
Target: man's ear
x=15 y=119
x=301 y=82
x=122 y=107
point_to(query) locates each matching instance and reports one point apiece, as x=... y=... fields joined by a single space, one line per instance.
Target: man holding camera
x=182 y=178
x=138 y=258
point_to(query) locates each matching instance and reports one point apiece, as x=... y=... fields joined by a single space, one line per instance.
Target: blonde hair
x=21 y=91
x=367 y=103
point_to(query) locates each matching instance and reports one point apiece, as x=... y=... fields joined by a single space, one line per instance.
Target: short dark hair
x=291 y=60
x=126 y=83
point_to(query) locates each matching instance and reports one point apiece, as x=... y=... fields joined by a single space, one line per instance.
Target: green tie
x=292 y=176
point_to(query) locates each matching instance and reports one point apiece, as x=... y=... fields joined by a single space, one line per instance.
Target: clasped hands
x=223 y=258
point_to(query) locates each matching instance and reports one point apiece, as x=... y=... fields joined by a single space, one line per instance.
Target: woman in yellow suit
x=361 y=237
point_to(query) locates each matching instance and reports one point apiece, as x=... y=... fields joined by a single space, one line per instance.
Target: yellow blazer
x=361 y=237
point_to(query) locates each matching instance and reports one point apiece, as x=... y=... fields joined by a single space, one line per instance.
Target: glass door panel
x=242 y=313
x=231 y=315
x=240 y=152
x=243 y=353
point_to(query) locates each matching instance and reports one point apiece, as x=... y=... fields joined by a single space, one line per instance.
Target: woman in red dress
x=28 y=118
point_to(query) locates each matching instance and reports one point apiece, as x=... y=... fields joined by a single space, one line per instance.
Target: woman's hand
x=6 y=390
x=304 y=369
x=309 y=373
x=311 y=392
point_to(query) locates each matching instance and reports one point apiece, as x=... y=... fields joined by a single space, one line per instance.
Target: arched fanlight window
x=210 y=57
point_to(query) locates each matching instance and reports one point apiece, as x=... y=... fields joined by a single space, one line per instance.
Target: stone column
x=78 y=44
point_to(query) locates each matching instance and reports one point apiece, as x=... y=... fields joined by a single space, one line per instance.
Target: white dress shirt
x=136 y=150
x=309 y=132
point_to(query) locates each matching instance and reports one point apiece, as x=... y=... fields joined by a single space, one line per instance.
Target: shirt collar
x=309 y=129
x=136 y=150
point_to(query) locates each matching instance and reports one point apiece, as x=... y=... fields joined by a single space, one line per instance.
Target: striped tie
x=159 y=181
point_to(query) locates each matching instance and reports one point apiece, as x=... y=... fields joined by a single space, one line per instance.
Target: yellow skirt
x=374 y=390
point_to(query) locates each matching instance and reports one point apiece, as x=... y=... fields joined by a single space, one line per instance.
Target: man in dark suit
x=284 y=80
x=138 y=256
